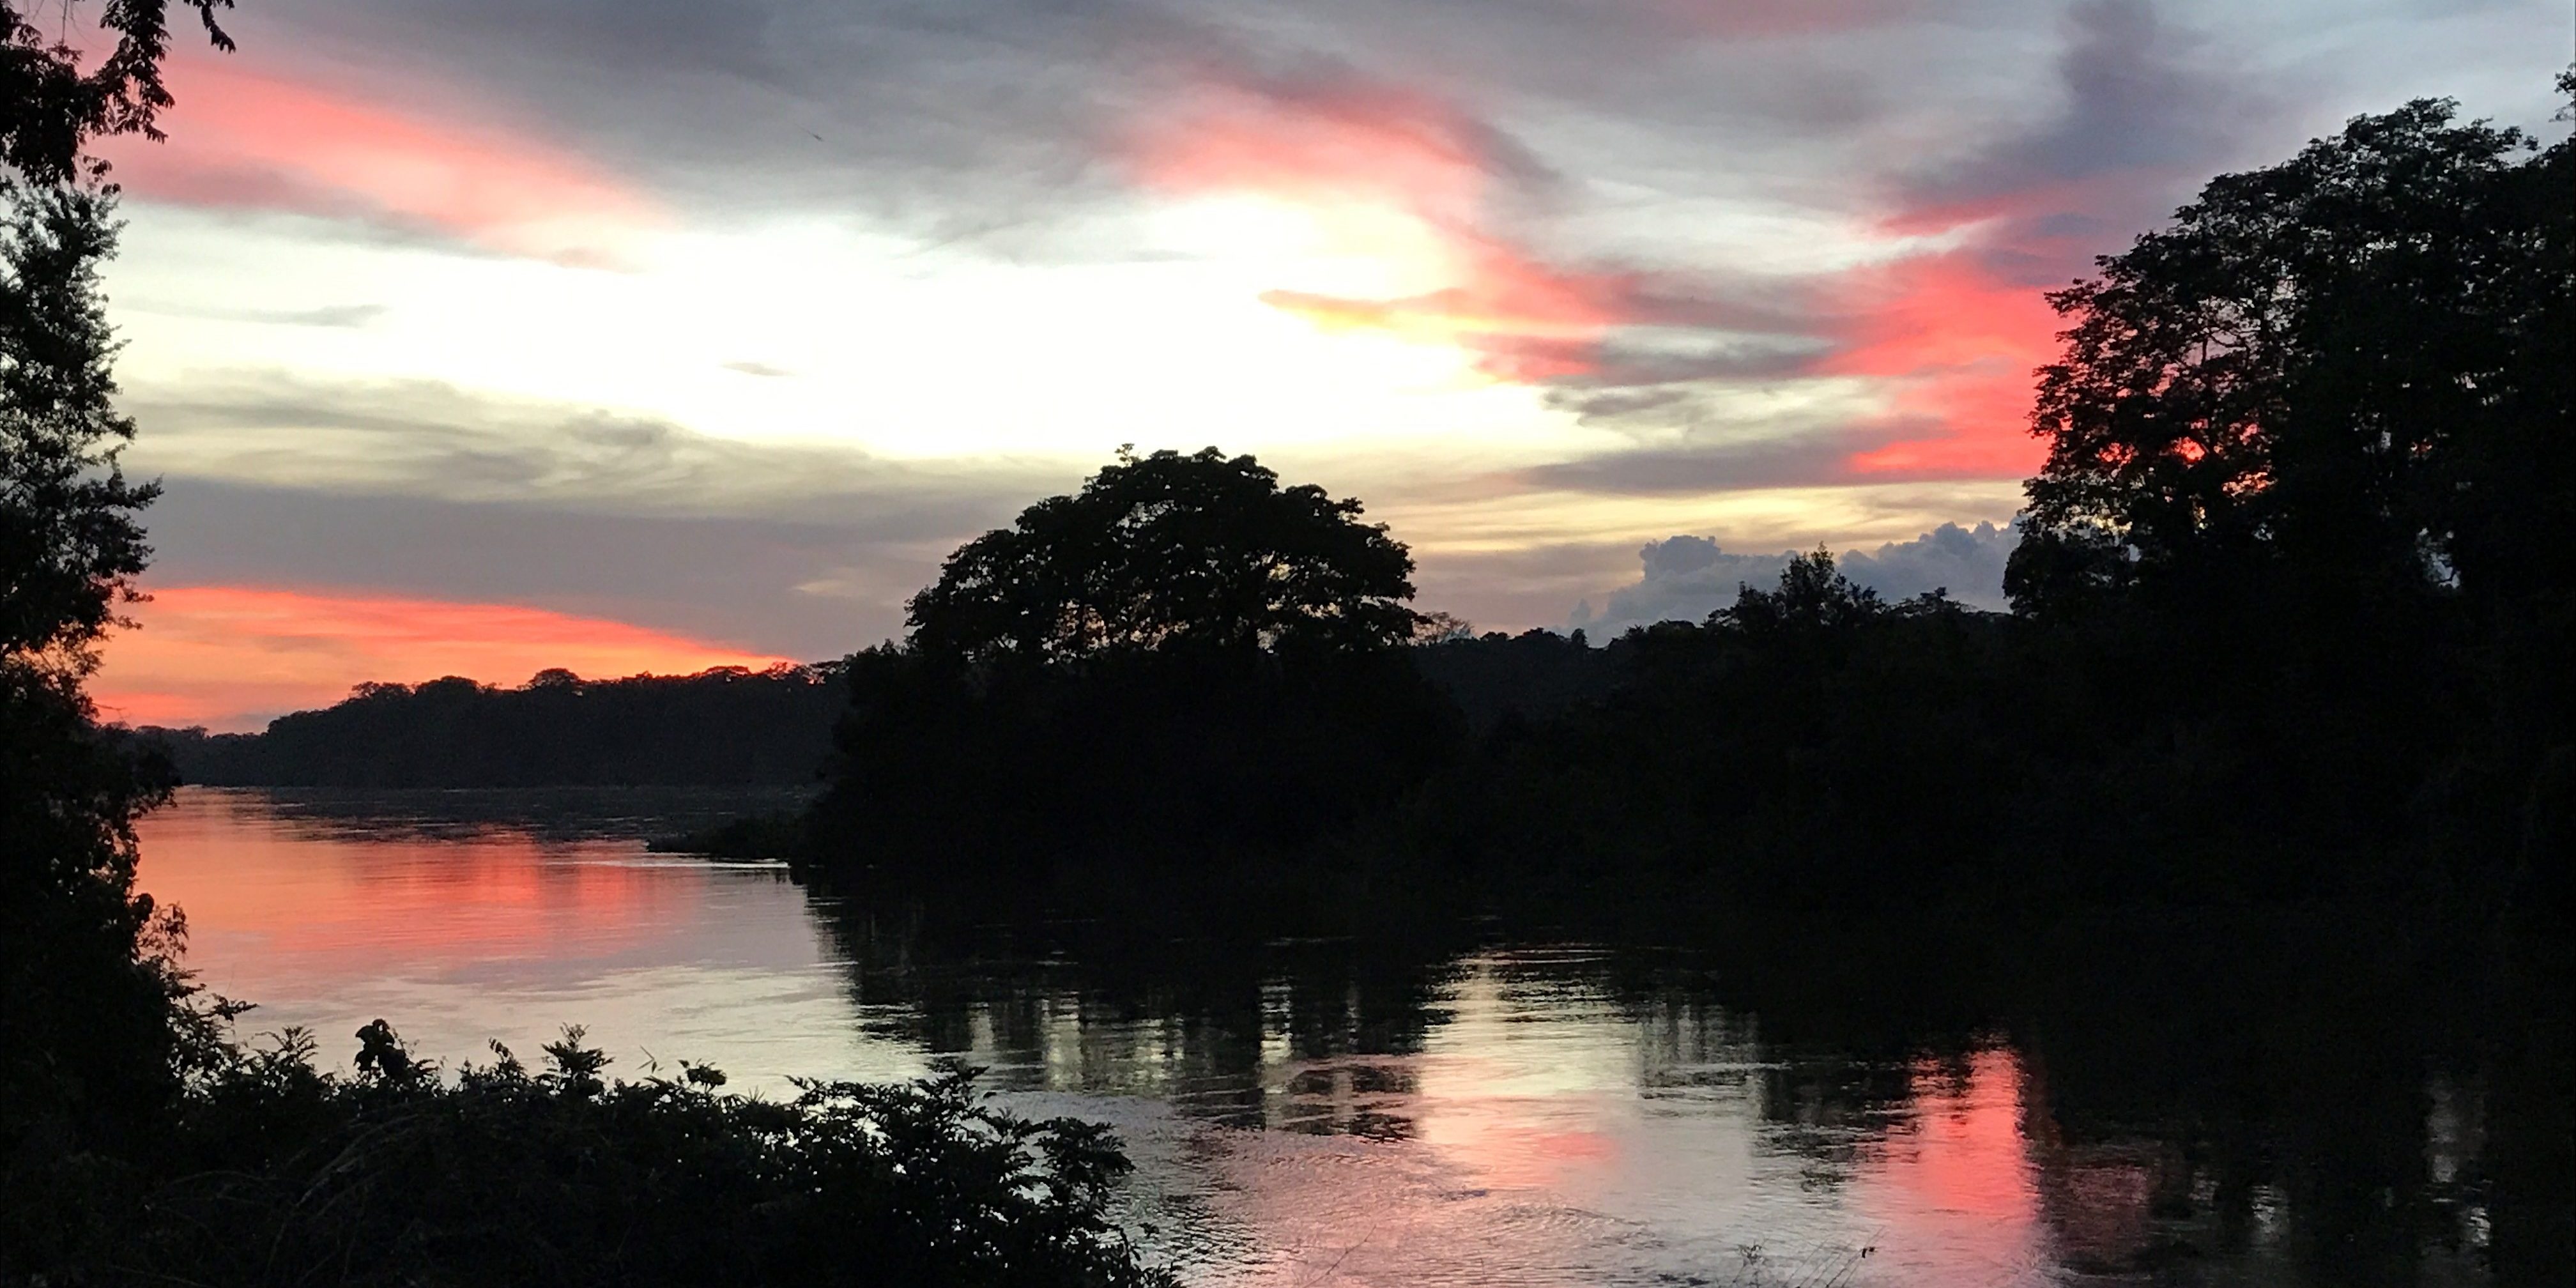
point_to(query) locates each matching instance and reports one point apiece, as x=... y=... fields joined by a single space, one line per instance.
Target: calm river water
x=1322 y=1113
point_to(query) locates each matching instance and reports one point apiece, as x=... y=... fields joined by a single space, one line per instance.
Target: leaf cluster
x=51 y=108
x=275 y=1172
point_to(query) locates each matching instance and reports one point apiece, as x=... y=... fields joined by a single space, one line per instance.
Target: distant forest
x=728 y=726
x=723 y=727
x=2291 y=618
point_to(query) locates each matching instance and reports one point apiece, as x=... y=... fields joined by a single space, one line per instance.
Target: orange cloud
x=250 y=139
x=1330 y=144
x=1412 y=163
x=1957 y=344
x=1530 y=320
x=232 y=656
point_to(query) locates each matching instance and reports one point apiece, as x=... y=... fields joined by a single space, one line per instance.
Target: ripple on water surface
x=1303 y=1113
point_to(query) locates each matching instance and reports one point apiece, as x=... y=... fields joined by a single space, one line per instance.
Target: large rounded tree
x=1180 y=661
x=1160 y=550
x=2350 y=368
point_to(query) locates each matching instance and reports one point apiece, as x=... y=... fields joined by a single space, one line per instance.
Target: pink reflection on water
x=1552 y=1137
x=338 y=904
x=1955 y=1173
x=466 y=935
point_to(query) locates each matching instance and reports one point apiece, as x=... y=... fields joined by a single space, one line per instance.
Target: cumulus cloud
x=1685 y=578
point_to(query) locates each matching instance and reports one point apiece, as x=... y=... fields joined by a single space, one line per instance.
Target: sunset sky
x=483 y=337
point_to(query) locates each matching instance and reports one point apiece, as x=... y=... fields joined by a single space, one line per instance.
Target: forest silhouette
x=2291 y=621
x=2291 y=614
x=727 y=726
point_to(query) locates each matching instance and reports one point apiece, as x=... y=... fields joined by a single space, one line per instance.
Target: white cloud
x=1685 y=577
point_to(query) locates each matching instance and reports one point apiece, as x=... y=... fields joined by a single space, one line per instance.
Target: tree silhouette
x=70 y=544
x=2301 y=370
x=51 y=107
x=87 y=1030
x=1166 y=549
x=1183 y=658
x=1813 y=596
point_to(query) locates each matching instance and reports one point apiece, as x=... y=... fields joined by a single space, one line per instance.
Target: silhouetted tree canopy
x=725 y=726
x=88 y=1030
x=51 y=107
x=2350 y=364
x=1203 y=549
x=70 y=541
x=1184 y=658
x=1813 y=595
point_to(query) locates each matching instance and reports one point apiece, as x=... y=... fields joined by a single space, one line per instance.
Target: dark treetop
x=1167 y=548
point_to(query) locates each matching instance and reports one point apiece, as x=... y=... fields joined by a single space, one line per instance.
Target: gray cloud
x=1685 y=578
x=811 y=589
x=418 y=488
x=2147 y=108
x=1776 y=459
x=336 y=316
x=996 y=120
x=431 y=439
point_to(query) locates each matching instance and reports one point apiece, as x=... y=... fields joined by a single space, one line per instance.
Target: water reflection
x=1465 y=1109
x=467 y=917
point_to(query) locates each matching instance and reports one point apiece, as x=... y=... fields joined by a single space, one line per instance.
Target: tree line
x=728 y=726
x=2290 y=620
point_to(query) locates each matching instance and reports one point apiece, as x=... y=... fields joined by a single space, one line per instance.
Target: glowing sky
x=649 y=334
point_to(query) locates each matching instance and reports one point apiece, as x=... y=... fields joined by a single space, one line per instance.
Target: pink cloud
x=1343 y=144
x=230 y=656
x=252 y=139
x=1955 y=345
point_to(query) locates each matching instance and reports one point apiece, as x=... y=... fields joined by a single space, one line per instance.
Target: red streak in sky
x=230 y=656
x=257 y=140
x=1410 y=155
x=1958 y=346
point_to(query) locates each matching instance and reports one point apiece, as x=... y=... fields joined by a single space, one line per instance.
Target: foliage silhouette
x=2272 y=640
x=87 y=1033
x=51 y=107
x=2313 y=367
x=1181 y=659
x=274 y=1172
x=1166 y=550
x=727 y=726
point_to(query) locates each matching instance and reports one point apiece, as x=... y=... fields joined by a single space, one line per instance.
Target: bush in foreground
x=275 y=1172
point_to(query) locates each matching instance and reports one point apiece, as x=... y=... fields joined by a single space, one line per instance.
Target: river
x=1501 y=1110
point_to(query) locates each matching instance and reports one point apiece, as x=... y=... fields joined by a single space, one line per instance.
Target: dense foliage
x=273 y=1172
x=80 y=952
x=2347 y=368
x=727 y=726
x=2292 y=615
x=2293 y=601
x=1181 y=658
x=139 y=1144
x=51 y=106
x=1156 y=551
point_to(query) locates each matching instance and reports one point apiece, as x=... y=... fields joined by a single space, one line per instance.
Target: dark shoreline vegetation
x=140 y=1142
x=2286 y=678
x=729 y=726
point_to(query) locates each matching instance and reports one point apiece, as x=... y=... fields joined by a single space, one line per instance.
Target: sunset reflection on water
x=1303 y=1113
